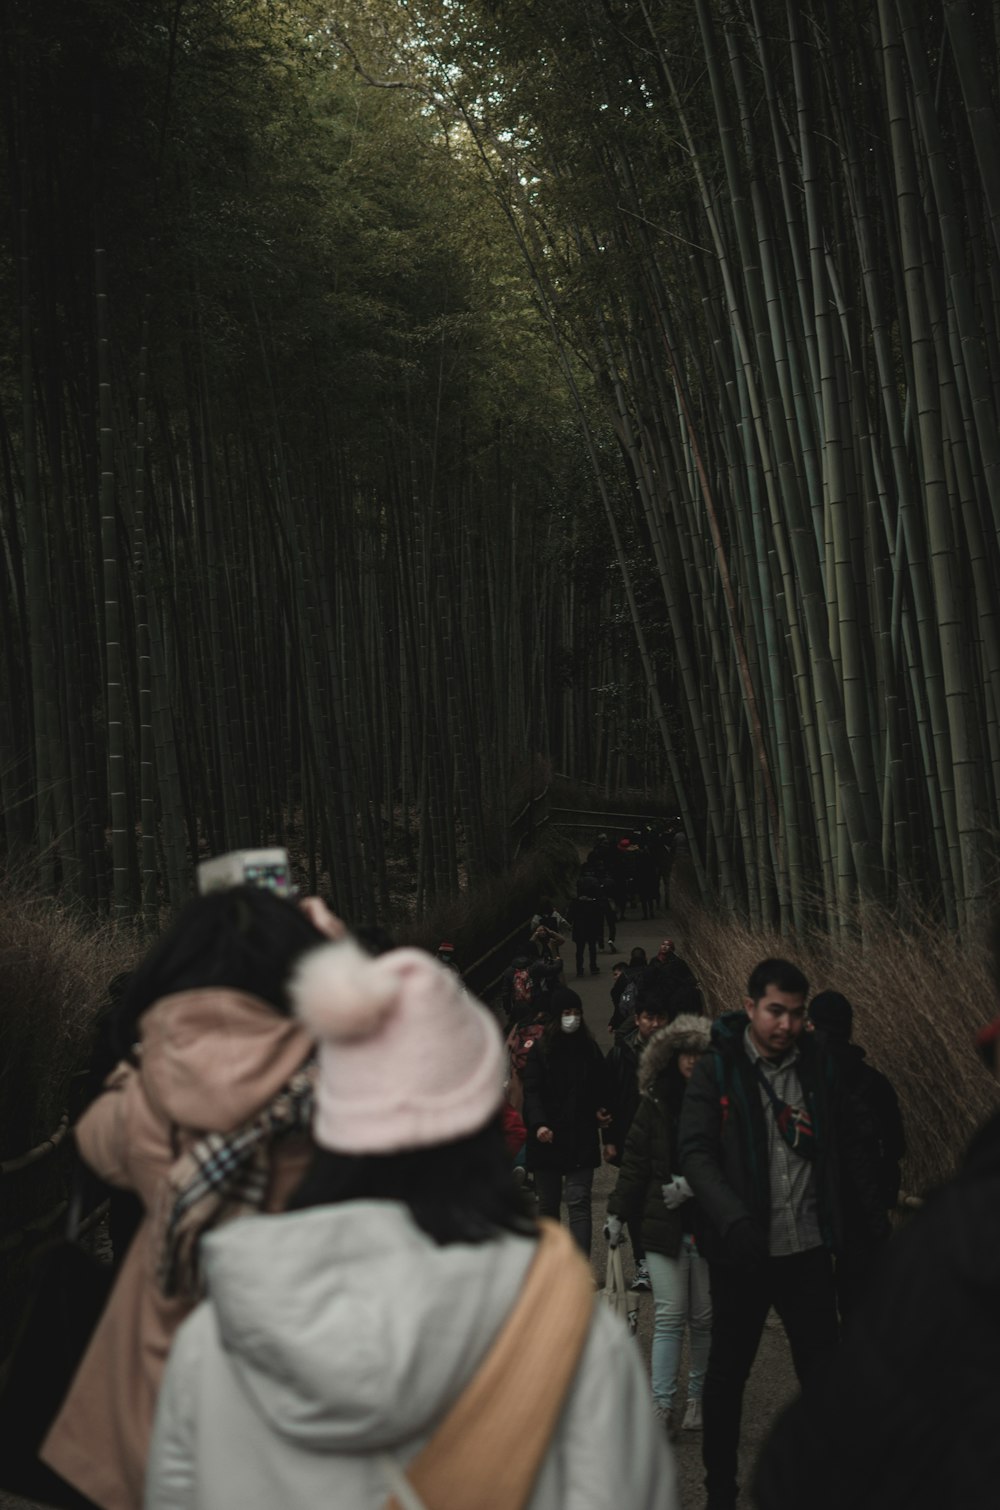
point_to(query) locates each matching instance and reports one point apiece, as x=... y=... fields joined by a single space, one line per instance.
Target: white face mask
x=570 y=1022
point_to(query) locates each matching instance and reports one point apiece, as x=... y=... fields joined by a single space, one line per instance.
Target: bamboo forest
x=401 y=399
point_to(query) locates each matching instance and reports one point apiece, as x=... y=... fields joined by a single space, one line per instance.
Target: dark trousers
x=579 y=1184
x=852 y=1275
x=801 y=1290
x=590 y=944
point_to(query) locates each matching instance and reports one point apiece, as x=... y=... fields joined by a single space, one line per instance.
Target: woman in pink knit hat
x=406 y=1335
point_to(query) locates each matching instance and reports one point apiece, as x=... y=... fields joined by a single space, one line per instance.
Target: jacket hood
x=214 y=1057
x=348 y=1327
x=687 y=1034
x=628 y=1038
x=728 y=1031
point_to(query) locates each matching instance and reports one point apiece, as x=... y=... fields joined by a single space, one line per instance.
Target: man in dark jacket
x=906 y=1417
x=588 y=922
x=832 y=1015
x=676 y=982
x=762 y=1135
x=625 y=991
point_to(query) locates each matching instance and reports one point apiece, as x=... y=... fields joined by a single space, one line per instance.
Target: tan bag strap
x=489 y=1448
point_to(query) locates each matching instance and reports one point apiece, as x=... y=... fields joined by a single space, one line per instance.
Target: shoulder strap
x=489 y=1448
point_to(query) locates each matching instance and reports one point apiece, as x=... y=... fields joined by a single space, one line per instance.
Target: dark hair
x=244 y=938
x=832 y=1013
x=638 y=956
x=652 y=1004
x=781 y=974
x=459 y=1192
x=563 y=1000
x=544 y=971
x=374 y=939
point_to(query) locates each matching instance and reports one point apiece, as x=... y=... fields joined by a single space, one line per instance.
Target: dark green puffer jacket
x=650 y=1158
x=724 y=1142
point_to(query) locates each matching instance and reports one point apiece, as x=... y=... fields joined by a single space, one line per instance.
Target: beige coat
x=209 y=1060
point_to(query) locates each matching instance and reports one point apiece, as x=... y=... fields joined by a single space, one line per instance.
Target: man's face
x=776 y=1021
x=647 y=1023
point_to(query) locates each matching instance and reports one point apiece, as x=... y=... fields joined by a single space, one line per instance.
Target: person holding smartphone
x=206 y=1117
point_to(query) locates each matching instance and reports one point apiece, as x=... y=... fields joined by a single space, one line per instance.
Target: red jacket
x=515 y=1133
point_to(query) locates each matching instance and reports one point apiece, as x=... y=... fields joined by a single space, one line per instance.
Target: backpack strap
x=490 y=1446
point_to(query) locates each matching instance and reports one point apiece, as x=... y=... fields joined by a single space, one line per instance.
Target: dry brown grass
x=55 y=970
x=476 y=921
x=919 y=997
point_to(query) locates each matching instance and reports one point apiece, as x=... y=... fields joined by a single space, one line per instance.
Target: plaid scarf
x=222 y=1176
x=795 y=1123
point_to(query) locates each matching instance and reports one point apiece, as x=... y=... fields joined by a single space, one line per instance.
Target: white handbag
x=616 y=1294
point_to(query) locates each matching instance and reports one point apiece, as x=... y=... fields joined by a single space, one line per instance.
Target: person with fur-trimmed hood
x=623 y=1072
x=651 y=1196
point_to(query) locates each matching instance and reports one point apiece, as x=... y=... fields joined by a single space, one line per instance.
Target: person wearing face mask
x=566 y=1095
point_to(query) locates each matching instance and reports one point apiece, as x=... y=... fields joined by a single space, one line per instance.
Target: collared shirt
x=794 y=1214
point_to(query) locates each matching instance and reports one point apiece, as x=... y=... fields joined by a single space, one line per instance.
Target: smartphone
x=267 y=868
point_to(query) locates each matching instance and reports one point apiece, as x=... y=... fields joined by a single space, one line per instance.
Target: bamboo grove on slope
x=296 y=545
x=772 y=232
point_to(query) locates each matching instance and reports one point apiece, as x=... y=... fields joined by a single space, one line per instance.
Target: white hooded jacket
x=341 y=1334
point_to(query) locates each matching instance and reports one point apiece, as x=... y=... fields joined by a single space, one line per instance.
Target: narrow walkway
x=594 y=990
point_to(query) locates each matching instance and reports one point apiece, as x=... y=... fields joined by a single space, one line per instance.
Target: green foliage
x=341 y=469
x=768 y=236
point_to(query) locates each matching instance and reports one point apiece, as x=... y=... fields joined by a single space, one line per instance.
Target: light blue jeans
x=680 y=1294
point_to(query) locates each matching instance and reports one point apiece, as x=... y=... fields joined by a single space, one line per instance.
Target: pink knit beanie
x=407 y=1058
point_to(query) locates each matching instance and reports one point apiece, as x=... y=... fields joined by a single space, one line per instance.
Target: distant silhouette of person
x=832 y=1015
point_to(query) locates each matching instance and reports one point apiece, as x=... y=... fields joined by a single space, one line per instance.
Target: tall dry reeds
x=55 y=971
x=920 y=994
x=479 y=919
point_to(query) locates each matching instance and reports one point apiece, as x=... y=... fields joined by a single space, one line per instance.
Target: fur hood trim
x=687 y=1034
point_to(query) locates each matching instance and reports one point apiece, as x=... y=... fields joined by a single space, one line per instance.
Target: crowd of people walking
x=346 y=1278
